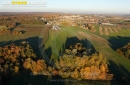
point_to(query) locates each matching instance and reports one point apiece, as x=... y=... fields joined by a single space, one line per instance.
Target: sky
x=72 y=6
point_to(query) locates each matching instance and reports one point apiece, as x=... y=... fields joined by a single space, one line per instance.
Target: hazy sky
x=74 y=6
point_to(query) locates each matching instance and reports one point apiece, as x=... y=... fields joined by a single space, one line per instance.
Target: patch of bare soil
x=115 y=29
x=110 y=29
x=100 y=30
x=119 y=28
x=106 y=31
x=125 y=26
x=94 y=38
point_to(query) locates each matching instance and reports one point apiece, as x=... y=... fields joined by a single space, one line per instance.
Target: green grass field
x=120 y=31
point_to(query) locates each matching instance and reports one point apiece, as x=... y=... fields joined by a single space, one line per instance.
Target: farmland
x=101 y=43
x=111 y=30
x=50 y=45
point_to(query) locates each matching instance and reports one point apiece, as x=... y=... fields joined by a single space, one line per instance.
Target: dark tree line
x=124 y=51
x=12 y=58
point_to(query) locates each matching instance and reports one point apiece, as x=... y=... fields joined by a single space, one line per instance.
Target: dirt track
x=110 y=29
x=119 y=28
x=45 y=32
x=95 y=38
x=100 y=30
x=106 y=31
x=115 y=29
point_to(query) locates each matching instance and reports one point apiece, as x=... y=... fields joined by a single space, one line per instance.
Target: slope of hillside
x=117 y=64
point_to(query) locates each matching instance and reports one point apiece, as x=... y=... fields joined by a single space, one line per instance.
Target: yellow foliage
x=16 y=69
x=85 y=67
x=75 y=74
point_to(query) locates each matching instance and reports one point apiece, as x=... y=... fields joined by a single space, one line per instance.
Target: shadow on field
x=11 y=29
x=22 y=31
x=121 y=74
x=48 y=51
x=85 y=43
x=25 y=77
x=117 y=42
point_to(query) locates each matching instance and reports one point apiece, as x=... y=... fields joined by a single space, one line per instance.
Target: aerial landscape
x=65 y=48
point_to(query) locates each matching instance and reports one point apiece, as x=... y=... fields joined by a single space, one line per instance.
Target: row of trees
x=7 y=30
x=12 y=58
x=88 y=67
x=92 y=67
x=11 y=21
x=14 y=20
x=16 y=58
x=124 y=51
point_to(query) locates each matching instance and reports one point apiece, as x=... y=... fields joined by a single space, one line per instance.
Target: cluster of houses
x=76 y=20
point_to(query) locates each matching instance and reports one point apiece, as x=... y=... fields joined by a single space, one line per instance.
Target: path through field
x=106 y=31
x=100 y=30
x=44 y=33
x=119 y=28
x=110 y=29
x=115 y=29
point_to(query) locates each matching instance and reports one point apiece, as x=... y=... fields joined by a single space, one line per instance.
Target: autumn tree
x=124 y=51
x=13 y=57
x=92 y=67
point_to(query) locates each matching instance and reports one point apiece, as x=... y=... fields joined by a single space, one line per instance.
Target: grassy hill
x=119 y=65
x=54 y=41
